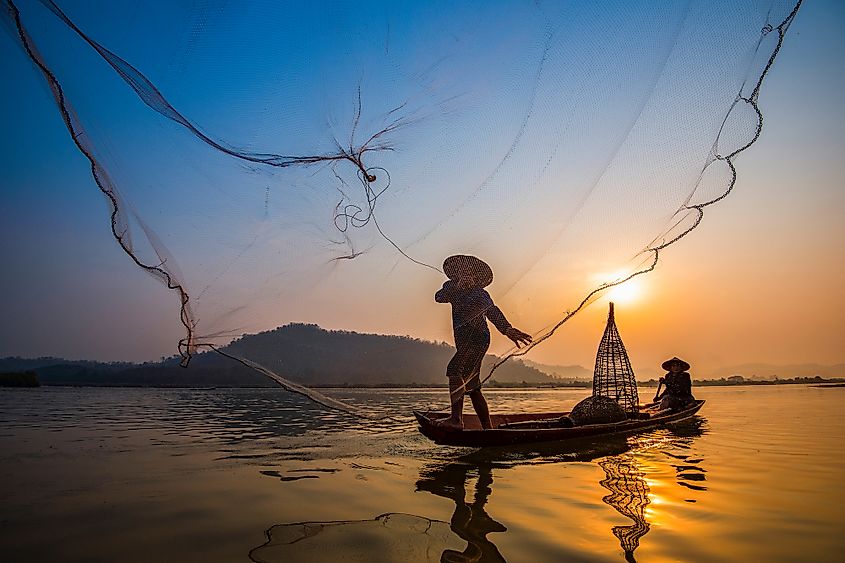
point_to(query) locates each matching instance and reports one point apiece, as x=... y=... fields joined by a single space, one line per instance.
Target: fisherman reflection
x=688 y=470
x=470 y=521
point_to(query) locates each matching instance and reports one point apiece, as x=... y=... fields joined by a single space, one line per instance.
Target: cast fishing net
x=278 y=161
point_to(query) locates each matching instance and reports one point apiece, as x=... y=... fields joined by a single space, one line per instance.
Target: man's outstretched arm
x=497 y=317
x=501 y=323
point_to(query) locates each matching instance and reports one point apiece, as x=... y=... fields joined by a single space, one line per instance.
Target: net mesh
x=282 y=162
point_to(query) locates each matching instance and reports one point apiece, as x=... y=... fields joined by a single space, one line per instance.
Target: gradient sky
x=760 y=281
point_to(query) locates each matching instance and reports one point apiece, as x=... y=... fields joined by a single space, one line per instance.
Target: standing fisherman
x=471 y=307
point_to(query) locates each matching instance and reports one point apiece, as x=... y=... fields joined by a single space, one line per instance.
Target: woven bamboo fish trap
x=613 y=376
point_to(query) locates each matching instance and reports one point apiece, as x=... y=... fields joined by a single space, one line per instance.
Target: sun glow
x=629 y=292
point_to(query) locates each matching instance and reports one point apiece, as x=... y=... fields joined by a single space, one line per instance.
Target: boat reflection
x=629 y=465
x=622 y=460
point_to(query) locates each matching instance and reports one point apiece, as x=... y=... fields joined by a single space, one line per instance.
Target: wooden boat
x=529 y=428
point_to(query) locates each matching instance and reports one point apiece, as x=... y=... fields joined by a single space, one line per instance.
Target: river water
x=90 y=474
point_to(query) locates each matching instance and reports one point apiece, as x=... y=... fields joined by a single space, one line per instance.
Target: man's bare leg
x=456 y=396
x=479 y=403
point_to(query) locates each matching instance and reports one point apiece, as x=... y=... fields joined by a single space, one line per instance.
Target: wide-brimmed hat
x=668 y=364
x=455 y=267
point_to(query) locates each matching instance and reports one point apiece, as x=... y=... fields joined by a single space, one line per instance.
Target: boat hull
x=474 y=436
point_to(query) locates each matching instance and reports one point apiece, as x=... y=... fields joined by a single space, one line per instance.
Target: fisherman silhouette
x=472 y=306
x=678 y=392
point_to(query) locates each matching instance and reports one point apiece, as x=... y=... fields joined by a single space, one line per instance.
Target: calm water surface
x=258 y=474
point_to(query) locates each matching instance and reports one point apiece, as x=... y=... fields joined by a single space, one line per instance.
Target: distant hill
x=579 y=373
x=770 y=371
x=311 y=355
x=303 y=353
x=22 y=364
x=59 y=371
x=569 y=372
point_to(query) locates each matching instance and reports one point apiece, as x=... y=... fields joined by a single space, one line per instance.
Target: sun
x=629 y=292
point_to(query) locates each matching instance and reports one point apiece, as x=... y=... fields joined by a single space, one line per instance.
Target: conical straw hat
x=459 y=265
x=668 y=363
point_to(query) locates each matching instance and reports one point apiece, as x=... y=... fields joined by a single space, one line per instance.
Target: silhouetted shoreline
x=19 y=379
x=315 y=357
x=815 y=382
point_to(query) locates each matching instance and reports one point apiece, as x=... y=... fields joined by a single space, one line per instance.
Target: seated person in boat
x=677 y=392
x=471 y=308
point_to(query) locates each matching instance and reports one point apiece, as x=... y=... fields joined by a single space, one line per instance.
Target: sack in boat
x=597 y=410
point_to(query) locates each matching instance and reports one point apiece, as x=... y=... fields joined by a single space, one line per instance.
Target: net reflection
x=625 y=477
x=629 y=496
